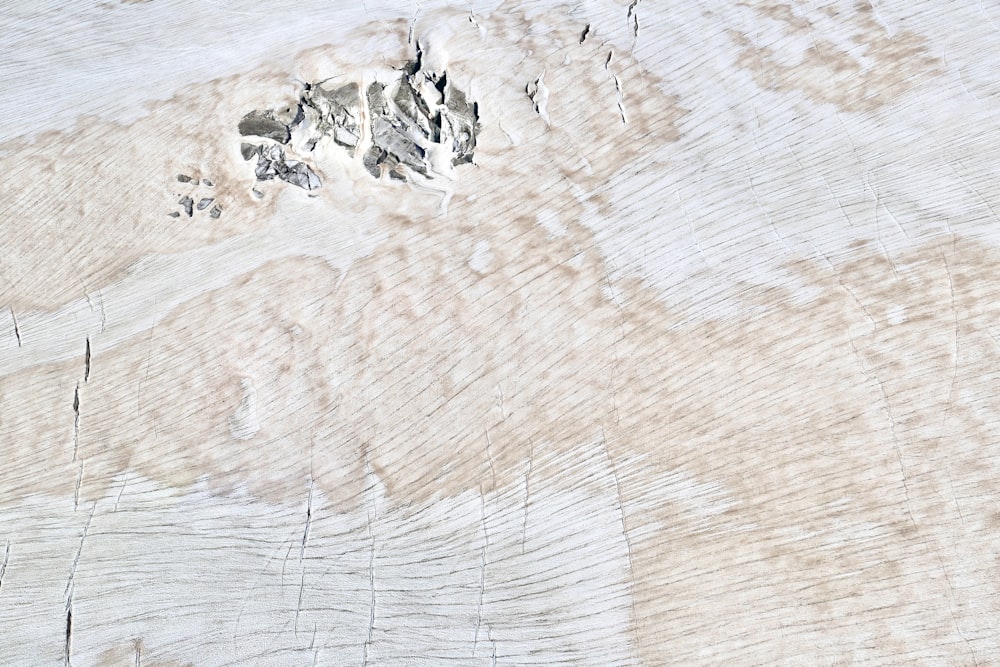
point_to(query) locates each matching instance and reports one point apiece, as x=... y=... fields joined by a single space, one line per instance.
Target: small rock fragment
x=299 y=173
x=409 y=118
x=174 y=214
x=215 y=212
x=188 y=205
x=204 y=203
x=394 y=137
x=372 y=159
x=257 y=193
x=538 y=93
x=248 y=150
x=332 y=112
x=461 y=124
x=184 y=179
x=207 y=182
x=265 y=124
x=377 y=104
x=415 y=108
x=267 y=157
x=271 y=164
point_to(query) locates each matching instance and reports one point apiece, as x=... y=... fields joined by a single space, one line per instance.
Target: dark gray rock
x=422 y=108
x=334 y=112
x=299 y=173
x=420 y=111
x=271 y=164
x=248 y=150
x=265 y=124
x=460 y=124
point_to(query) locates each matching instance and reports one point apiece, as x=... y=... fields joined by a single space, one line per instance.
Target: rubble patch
x=415 y=116
x=333 y=112
x=267 y=124
x=419 y=123
x=194 y=201
x=271 y=163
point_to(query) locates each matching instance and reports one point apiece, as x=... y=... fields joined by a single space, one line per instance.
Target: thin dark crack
x=633 y=18
x=104 y=314
x=482 y=574
x=416 y=13
x=284 y=563
x=878 y=229
x=120 y=492
x=315 y=649
x=17 y=331
x=614 y=348
x=846 y=288
x=76 y=420
x=958 y=175
x=3 y=565
x=298 y=604
x=873 y=377
x=145 y=376
x=527 y=493
x=829 y=189
x=86 y=362
x=583 y=35
x=371 y=559
x=71 y=584
x=302 y=554
x=503 y=415
x=628 y=540
x=954 y=497
x=760 y=206
x=473 y=21
x=69 y=629
x=878 y=202
x=489 y=460
x=955 y=352
x=138 y=653
x=76 y=559
x=79 y=484
x=371 y=577
x=309 y=509
x=618 y=88
x=951 y=609
x=694 y=234
x=895 y=443
x=90 y=302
